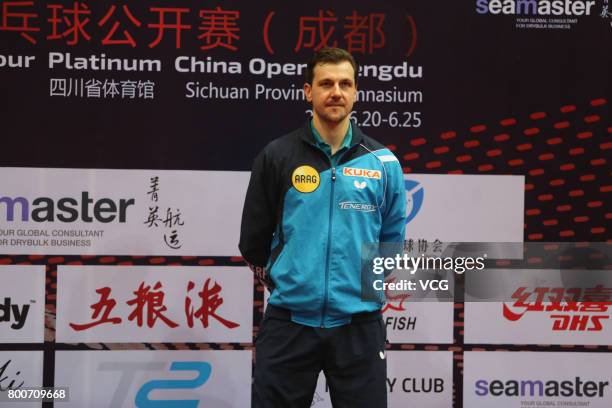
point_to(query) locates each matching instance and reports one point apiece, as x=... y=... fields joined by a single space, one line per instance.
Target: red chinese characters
x=110 y=38
x=117 y=25
x=569 y=311
x=210 y=302
x=105 y=305
x=69 y=23
x=316 y=32
x=148 y=307
x=219 y=29
x=362 y=34
x=162 y=25
x=151 y=301
x=365 y=33
x=17 y=16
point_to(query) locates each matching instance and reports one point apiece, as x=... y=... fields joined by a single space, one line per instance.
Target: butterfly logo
x=359 y=185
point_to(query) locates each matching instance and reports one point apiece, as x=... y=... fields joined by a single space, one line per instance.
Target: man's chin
x=334 y=118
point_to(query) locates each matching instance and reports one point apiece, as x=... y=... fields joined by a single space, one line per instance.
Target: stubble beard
x=332 y=119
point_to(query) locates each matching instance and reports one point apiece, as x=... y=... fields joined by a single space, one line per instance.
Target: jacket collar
x=309 y=138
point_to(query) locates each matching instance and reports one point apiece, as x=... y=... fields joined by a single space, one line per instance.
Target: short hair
x=329 y=55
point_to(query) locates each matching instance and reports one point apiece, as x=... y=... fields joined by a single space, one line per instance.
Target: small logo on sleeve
x=305 y=179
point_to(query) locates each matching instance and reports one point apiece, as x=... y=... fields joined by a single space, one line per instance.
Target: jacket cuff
x=262 y=274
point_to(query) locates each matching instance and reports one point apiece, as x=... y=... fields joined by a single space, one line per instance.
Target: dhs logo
x=414 y=198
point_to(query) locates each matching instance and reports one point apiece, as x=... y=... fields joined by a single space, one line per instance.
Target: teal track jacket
x=304 y=223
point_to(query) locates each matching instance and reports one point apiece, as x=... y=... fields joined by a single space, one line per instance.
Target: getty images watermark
x=383 y=266
x=486 y=272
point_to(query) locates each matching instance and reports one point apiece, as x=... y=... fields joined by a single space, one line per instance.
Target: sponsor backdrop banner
x=126 y=304
x=544 y=310
x=414 y=378
x=120 y=212
x=513 y=380
x=22 y=307
x=198 y=87
x=129 y=129
x=161 y=212
x=141 y=378
x=465 y=208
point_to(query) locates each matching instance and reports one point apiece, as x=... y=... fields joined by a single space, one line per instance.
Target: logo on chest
x=359 y=185
x=305 y=179
x=367 y=173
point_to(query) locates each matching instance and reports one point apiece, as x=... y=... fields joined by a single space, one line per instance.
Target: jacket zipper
x=329 y=230
x=329 y=233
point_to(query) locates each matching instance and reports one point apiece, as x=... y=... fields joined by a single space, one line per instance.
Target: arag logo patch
x=305 y=179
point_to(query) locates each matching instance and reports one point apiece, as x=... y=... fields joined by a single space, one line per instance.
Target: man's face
x=332 y=92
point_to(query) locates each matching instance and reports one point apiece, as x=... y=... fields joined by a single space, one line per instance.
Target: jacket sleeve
x=393 y=228
x=259 y=217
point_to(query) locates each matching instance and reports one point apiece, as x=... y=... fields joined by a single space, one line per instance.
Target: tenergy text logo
x=367 y=173
x=345 y=205
x=535 y=7
x=539 y=388
x=66 y=209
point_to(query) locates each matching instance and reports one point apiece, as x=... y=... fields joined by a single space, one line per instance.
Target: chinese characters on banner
x=423 y=246
x=542 y=310
x=149 y=302
x=154 y=304
x=170 y=220
x=106 y=89
x=562 y=306
x=119 y=25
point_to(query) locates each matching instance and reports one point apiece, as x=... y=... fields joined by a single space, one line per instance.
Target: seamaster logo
x=564 y=8
x=533 y=387
x=414 y=198
x=547 y=14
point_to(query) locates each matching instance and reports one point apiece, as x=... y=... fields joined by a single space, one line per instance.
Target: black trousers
x=290 y=356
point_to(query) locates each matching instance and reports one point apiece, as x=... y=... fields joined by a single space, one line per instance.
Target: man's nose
x=336 y=90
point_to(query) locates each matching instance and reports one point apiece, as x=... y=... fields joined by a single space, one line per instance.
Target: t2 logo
x=203 y=374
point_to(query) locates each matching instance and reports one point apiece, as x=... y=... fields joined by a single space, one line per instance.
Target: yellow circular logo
x=305 y=179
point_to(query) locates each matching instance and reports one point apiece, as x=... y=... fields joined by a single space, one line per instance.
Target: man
x=316 y=195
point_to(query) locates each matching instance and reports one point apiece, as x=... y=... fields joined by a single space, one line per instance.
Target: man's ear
x=308 y=91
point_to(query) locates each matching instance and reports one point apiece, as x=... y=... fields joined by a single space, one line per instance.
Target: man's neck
x=331 y=133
